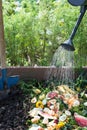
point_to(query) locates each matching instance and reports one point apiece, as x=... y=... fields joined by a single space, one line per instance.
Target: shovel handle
x=2 y=42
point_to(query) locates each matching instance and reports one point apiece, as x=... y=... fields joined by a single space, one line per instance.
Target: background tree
x=2 y=43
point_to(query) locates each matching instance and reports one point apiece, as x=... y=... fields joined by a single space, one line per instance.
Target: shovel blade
x=1 y=84
x=12 y=81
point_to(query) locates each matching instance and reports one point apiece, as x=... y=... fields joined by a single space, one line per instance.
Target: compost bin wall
x=39 y=73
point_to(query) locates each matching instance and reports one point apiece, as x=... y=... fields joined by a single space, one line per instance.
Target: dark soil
x=14 y=111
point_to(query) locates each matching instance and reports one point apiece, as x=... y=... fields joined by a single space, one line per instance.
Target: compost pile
x=45 y=106
x=13 y=111
x=59 y=108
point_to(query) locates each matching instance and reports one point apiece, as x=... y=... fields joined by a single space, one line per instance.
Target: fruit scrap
x=81 y=120
x=65 y=89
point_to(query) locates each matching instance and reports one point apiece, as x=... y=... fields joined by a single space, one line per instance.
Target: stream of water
x=64 y=61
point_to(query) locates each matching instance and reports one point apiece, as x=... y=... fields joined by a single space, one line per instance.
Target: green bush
x=33 y=31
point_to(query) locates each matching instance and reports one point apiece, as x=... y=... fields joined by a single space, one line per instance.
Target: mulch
x=14 y=111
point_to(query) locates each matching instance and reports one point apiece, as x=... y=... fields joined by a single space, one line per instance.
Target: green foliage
x=81 y=81
x=35 y=29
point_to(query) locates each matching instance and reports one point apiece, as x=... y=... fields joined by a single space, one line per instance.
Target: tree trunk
x=2 y=43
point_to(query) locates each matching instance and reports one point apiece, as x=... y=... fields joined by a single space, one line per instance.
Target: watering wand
x=5 y=82
x=68 y=44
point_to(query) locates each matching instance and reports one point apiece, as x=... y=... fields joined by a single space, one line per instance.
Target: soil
x=14 y=111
